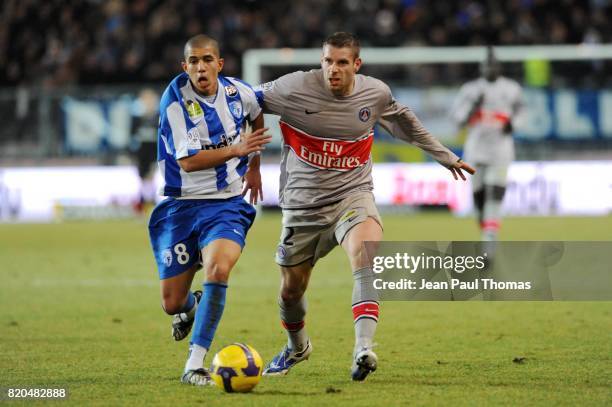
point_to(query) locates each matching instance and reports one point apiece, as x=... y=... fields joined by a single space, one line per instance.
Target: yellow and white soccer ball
x=236 y=368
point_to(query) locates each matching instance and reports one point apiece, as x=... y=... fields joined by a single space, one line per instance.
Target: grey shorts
x=489 y=175
x=312 y=233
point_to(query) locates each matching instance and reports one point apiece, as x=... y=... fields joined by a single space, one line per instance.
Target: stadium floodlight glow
x=254 y=59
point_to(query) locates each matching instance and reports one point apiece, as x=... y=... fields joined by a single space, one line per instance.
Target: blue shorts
x=179 y=229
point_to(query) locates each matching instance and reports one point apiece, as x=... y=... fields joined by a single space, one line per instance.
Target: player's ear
x=357 y=64
x=184 y=66
x=221 y=62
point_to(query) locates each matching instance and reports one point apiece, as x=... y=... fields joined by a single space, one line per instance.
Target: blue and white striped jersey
x=188 y=124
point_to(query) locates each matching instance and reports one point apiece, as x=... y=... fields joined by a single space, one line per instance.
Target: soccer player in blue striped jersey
x=208 y=162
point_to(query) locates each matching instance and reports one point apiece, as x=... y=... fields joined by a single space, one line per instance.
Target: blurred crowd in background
x=63 y=42
x=72 y=72
x=80 y=80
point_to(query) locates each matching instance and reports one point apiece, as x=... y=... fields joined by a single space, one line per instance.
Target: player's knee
x=357 y=256
x=355 y=252
x=172 y=304
x=292 y=291
x=291 y=295
x=217 y=270
x=497 y=192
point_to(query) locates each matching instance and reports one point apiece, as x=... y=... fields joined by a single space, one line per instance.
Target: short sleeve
x=275 y=94
x=250 y=102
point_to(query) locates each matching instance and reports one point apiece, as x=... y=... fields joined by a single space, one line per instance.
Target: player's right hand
x=252 y=142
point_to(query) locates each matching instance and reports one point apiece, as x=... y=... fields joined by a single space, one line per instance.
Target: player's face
x=203 y=65
x=490 y=70
x=339 y=69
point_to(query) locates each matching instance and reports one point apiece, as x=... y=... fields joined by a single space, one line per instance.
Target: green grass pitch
x=80 y=309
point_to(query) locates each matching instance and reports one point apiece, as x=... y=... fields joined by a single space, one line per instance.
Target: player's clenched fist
x=252 y=142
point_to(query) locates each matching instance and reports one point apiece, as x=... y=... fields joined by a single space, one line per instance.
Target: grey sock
x=292 y=318
x=365 y=307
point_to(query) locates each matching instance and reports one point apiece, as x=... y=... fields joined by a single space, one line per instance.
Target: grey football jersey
x=501 y=102
x=326 y=139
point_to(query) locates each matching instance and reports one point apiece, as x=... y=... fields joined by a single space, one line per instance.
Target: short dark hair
x=199 y=41
x=344 y=40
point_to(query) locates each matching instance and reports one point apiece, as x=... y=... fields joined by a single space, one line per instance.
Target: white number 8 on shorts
x=181 y=253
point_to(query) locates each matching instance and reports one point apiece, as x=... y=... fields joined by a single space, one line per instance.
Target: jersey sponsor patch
x=364 y=114
x=194 y=110
x=328 y=153
x=225 y=141
x=231 y=91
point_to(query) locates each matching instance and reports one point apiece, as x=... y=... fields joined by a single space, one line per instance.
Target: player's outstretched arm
x=205 y=159
x=403 y=124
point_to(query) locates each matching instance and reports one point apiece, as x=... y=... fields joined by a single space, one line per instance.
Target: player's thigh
x=354 y=244
x=359 y=222
x=228 y=219
x=173 y=239
x=496 y=175
x=297 y=245
x=222 y=227
x=478 y=179
x=219 y=258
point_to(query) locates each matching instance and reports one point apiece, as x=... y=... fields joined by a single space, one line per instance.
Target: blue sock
x=191 y=300
x=208 y=314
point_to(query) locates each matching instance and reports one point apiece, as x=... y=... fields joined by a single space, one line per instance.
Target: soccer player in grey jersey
x=327 y=118
x=490 y=106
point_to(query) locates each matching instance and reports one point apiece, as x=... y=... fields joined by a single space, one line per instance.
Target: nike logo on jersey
x=311 y=112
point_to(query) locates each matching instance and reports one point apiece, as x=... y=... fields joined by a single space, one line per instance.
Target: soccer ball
x=236 y=368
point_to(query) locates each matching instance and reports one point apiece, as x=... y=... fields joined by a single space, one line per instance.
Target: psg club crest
x=364 y=114
x=236 y=109
x=231 y=91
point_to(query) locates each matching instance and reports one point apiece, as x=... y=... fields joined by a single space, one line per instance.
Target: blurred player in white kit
x=327 y=119
x=491 y=106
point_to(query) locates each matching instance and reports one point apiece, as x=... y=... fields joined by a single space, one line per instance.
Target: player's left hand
x=458 y=168
x=252 y=182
